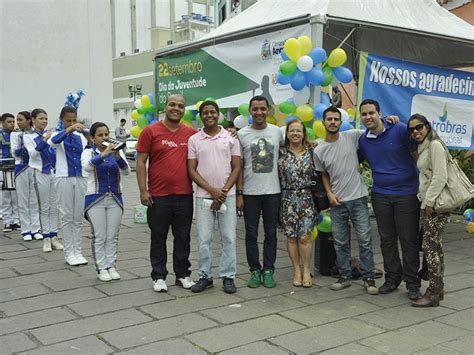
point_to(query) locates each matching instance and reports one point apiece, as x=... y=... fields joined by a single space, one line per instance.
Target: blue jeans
x=357 y=211
x=227 y=222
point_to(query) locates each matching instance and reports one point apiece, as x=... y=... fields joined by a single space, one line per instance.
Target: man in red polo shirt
x=169 y=194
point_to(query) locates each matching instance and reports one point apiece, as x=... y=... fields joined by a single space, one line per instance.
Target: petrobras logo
x=442 y=124
x=271 y=49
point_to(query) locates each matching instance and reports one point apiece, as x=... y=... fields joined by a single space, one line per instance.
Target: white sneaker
x=71 y=261
x=114 y=274
x=47 y=245
x=185 y=282
x=56 y=244
x=81 y=260
x=27 y=237
x=7 y=228
x=38 y=236
x=160 y=286
x=103 y=275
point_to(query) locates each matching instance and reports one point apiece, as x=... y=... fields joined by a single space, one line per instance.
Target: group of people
x=263 y=173
x=58 y=178
x=257 y=171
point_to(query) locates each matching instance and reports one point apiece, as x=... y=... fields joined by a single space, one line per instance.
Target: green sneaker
x=268 y=280
x=254 y=280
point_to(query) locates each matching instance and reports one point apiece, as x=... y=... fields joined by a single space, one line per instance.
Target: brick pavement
x=49 y=307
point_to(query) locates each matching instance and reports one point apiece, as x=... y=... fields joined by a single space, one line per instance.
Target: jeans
x=175 y=211
x=269 y=207
x=398 y=218
x=227 y=222
x=357 y=211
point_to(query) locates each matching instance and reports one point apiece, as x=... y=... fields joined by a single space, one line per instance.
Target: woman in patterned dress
x=297 y=210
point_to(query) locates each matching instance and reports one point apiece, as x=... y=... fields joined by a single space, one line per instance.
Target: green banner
x=197 y=75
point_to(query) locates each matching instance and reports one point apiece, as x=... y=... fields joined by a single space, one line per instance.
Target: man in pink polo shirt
x=214 y=165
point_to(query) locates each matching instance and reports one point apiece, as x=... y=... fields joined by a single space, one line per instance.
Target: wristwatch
x=239 y=192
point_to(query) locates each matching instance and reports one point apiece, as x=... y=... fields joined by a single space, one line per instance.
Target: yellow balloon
x=305 y=112
x=319 y=130
x=134 y=115
x=145 y=101
x=135 y=131
x=271 y=120
x=351 y=112
x=337 y=58
x=187 y=123
x=314 y=235
x=470 y=227
x=306 y=44
x=293 y=49
x=198 y=104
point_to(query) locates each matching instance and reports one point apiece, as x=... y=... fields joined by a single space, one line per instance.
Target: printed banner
x=230 y=72
x=444 y=96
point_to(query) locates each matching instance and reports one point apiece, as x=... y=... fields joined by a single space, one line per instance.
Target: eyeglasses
x=417 y=128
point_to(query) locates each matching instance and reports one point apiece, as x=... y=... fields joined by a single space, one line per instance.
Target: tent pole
x=317 y=24
x=347 y=37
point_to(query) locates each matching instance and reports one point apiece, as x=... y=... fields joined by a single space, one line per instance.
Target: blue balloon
x=318 y=110
x=298 y=81
x=153 y=121
x=250 y=120
x=151 y=96
x=283 y=55
x=325 y=99
x=345 y=126
x=315 y=76
x=318 y=55
x=343 y=74
x=290 y=118
x=149 y=117
x=283 y=79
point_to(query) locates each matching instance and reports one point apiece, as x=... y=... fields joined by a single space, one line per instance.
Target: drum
x=8 y=182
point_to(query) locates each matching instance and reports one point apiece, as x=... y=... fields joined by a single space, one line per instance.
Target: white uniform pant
x=46 y=191
x=71 y=194
x=9 y=207
x=105 y=218
x=27 y=202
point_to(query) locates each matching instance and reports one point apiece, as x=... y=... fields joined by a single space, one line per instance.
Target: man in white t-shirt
x=337 y=159
x=258 y=190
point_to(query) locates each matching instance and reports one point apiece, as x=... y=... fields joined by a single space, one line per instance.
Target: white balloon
x=138 y=103
x=221 y=117
x=305 y=63
x=301 y=97
x=351 y=118
x=241 y=121
x=283 y=131
x=344 y=114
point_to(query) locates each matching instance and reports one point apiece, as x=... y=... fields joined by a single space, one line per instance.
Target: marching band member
x=71 y=183
x=27 y=200
x=103 y=203
x=41 y=161
x=9 y=196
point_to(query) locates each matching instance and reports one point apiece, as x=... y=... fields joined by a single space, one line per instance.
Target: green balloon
x=223 y=110
x=142 y=121
x=325 y=225
x=310 y=133
x=328 y=75
x=150 y=109
x=225 y=123
x=188 y=116
x=287 y=67
x=287 y=107
x=244 y=109
x=141 y=110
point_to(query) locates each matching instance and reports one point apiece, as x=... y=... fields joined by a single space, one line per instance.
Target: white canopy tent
x=415 y=30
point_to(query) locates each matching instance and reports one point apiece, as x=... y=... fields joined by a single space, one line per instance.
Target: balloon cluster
x=323 y=224
x=300 y=70
x=74 y=99
x=193 y=115
x=469 y=215
x=144 y=114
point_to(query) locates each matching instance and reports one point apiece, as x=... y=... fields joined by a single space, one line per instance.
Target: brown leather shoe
x=429 y=299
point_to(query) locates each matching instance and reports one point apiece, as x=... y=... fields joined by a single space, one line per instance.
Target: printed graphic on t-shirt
x=262 y=150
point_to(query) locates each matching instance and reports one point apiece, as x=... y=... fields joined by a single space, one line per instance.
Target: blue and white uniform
x=9 y=209
x=104 y=204
x=71 y=187
x=27 y=199
x=41 y=160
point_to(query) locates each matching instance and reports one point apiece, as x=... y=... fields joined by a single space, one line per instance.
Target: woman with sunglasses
x=432 y=163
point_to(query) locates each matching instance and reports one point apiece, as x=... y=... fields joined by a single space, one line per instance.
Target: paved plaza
x=49 y=307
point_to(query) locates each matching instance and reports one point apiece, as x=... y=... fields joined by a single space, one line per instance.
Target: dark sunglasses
x=417 y=128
